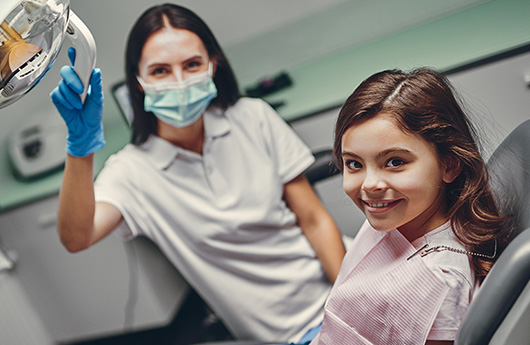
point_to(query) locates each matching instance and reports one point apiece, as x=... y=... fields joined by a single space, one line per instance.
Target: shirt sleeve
x=112 y=187
x=454 y=306
x=291 y=154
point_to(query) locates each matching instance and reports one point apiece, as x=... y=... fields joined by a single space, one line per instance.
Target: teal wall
x=454 y=40
x=482 y=29
x=345 y=26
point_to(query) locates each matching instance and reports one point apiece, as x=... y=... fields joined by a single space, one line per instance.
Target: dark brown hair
x=151 y=21
x=423 y=103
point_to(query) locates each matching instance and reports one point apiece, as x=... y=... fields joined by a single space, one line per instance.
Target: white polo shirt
x=220 y=218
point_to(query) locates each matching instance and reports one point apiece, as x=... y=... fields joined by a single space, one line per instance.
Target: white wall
x=105 y=290
x=497 y=97
x=252 y=32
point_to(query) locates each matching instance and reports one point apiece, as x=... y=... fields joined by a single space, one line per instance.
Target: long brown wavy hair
x=423 y=103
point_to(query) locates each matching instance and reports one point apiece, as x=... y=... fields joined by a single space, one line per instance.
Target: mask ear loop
x=210 y=69
x=143 y=84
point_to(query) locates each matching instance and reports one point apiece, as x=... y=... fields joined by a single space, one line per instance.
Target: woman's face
x=395 y=178
x=171 y=55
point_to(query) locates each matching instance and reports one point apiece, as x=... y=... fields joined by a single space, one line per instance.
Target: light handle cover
x=85 y=46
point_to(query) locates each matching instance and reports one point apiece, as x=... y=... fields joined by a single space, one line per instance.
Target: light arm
x=317 y=224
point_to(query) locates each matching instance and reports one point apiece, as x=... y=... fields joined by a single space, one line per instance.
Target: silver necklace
x=425 y=250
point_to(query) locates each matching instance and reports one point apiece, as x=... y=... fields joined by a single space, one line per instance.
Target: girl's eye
x=395 y=162
x=353 y=165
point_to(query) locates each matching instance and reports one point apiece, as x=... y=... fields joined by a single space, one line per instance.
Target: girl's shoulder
x=449 y=260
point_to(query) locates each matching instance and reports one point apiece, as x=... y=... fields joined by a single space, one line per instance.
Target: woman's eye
x=395 y=162
x=193 y=66
x=159 y=72
x=353 y=165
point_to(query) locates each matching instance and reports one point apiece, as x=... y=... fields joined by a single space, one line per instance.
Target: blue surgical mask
x=180 y=103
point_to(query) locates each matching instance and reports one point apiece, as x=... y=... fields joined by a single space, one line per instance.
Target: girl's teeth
x=380 y=204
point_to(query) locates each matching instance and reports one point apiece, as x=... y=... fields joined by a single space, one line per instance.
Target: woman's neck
x=190 y=138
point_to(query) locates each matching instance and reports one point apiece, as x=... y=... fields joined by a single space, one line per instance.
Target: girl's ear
x=452 y=169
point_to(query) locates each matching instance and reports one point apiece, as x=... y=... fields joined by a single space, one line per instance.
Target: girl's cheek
x=406 y=180
x=351 y=186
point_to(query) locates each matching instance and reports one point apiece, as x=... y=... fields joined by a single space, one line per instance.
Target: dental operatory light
x=32 y=33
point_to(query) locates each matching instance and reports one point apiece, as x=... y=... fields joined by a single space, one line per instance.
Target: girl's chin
x=381 y=228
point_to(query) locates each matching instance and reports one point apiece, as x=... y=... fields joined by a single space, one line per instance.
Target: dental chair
x=322 y=168
x=500 y=312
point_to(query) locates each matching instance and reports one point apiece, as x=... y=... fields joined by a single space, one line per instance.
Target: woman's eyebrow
x=156 y=64
x=159 y=63
x=193 y=58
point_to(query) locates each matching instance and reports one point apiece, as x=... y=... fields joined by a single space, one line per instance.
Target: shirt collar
x=215 y=123
x=162 y=153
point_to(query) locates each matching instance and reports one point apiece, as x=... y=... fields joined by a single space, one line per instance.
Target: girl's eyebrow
x=349 y=154
x=389 y=151
x=393 y=150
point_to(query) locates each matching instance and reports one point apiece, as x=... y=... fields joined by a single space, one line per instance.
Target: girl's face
x=171 y=55
x=395 y=178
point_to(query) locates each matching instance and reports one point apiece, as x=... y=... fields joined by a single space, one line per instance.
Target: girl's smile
x=380 y=206
x=396 y=178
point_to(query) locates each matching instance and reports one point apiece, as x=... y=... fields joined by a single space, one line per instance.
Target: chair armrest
x=498 y=293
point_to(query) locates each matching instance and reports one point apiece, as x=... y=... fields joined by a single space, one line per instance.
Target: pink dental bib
x=380 y=297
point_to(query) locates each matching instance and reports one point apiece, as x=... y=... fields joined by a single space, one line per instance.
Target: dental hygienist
x=216 y=180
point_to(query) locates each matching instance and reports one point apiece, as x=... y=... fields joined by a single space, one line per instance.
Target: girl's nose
x=373 y=182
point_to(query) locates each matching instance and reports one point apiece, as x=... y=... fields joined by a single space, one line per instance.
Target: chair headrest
x=322 y=168
x=509 y=169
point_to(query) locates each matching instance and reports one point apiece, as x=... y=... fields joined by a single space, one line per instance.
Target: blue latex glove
x=85 y=129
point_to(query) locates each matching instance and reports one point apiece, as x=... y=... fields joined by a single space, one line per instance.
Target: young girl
x=433 y=230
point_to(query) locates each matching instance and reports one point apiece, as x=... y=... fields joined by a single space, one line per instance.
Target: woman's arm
x=81 y=221
x=316 y=223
